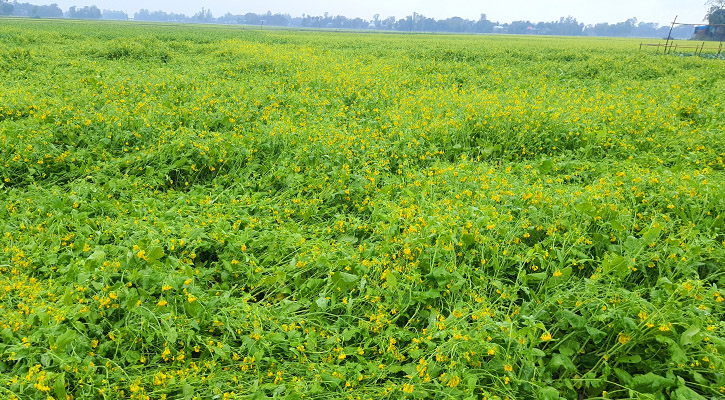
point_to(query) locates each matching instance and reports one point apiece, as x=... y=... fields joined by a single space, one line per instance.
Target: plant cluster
x=207 y=212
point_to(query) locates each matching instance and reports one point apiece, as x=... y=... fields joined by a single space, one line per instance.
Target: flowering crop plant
x=211 y=212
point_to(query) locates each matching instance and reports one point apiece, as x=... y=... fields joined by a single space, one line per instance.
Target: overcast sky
x=586 y=11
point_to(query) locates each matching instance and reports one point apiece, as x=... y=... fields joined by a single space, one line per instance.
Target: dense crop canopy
x=210 y=212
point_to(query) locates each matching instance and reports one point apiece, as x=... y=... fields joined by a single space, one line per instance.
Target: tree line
x=565 y=26
x=715 y=30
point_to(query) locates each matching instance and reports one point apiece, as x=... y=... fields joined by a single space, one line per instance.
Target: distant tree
x=203 y=16
x=632 y=28
x=251 y=19
x=519 y=27
x=484 y=25
x=87 y=12
x=647 y=29
x=388 y=23
x=51 y=11
x=454 y=24
x=428 y=25
x=159 y=16
x=714 y=7
x=254 y=19
x=142 y=15
x=6 y=8
x=621 y=29
x=570 y=27
x=115 y=15
x=230 y=18
x=565 y=27
x=680 y=32
x=278 y=19
x=405 y=24
x=716 y=19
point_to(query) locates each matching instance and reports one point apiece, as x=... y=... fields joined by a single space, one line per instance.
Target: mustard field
x=208 y=212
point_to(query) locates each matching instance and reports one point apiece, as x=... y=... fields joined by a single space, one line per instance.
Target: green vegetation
x=214 y=213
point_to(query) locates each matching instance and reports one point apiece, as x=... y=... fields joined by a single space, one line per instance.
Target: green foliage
x=208 y=212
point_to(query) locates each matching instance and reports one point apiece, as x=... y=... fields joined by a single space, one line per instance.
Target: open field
x=198 y=212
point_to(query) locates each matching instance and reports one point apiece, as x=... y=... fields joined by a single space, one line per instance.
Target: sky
x=586 y=11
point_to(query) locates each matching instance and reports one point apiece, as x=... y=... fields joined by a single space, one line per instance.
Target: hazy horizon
x=659 y=11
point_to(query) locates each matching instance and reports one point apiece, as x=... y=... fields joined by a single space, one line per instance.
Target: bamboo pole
x=669 y=35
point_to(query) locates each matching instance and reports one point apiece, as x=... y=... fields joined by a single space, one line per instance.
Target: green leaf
x=394 y=368
x=685 y=393
x=617 y=226
x=392 y=280
x=46 y=360
x=546 y=166
x=98 y=255
x=427 y=295
x=576 y=321
x=567 y=350
x=321 y=302
x=559 y=360
x=652 y=234
x=132 y=299
x=68 y=297
x=690 y=336
x=59 y=386
x=180 y=162
x=154 y=254
x=348 y=333
x=171 y=335
x=677 y=353
x=278 y=391
x=632 y=243
x=471 y=383
x=66 y=338
x=539 y=276
x=348 y=239
x=584 y=206
x=538 y=352
x=557 y=280
x=651 y=383
x=623 y=376
x=278 y=276
x=347 y=278
x=697 y=377
x=188 y=391
x=719 y=342
x=468 y=239
x=629 y=323
x=133 y=356
x=548 y=393
x=615 y=264
x=630 y=359
x=595 y=334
